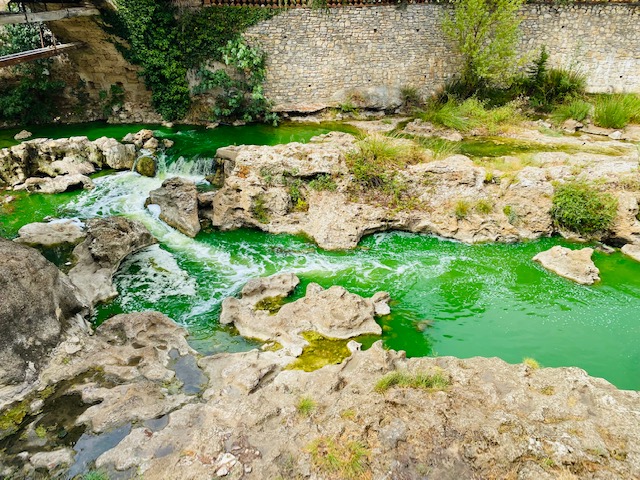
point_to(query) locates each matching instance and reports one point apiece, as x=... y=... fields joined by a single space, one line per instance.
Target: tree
x=485 y=33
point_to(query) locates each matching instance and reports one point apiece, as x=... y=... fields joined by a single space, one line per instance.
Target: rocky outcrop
x=484 y=418
x=97 y=258
x=39 y=308
x=333 y=313
x=59 y=184
x=575 y=265
x=632 y=251
x=178 y=202
x=280 y=189
x=65 y=233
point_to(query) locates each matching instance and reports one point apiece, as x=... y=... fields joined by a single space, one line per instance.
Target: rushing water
x=448 y=298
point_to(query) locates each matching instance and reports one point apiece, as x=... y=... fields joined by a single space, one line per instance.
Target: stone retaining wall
x=318 y=58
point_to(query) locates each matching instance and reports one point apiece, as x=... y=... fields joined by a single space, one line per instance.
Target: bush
x=575 y=109
x=616 y=111
x=579 y=207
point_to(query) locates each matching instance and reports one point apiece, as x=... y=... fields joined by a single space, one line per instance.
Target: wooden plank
x=37 y=54
x=50 y=16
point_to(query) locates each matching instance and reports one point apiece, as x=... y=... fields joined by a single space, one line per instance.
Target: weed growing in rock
x=511 y=214
x=306 y=406
x=616 y=111
x=95 y=475
x=581 y=208
x=259 y=209
x=419 y=380
x=462 y=209
x=484 y=206
x=576 y=109
x=340 y=460
x=323 y=182
x=531 y=363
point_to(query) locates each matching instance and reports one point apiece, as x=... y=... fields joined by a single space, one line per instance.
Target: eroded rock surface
x=97 y=258
x=178 y=202
x=333 y=313
x=575 y=265
x=632 y=251
x=53 y=234
x=39 y=308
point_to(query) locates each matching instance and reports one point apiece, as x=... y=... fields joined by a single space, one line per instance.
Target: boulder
x=575 y=265
x=333 y=313
x=53 y=234
x=62 y=183
x=108 y=242
x=178 y=202
x=39 y=307
x=116 y=155
x=146 y=166
x=22 y=135
x=632 y=251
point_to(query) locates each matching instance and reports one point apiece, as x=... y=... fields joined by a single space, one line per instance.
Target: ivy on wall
x=31 y=97
x=167 y=43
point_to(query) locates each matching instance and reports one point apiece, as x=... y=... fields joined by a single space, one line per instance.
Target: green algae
x=270 y=304
x=323 y=351
x=12 y=418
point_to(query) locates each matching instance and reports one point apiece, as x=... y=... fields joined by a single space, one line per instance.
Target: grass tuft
x=531 y=363
x=616 y=111
x=306 y=406
x=419 y=380
x=575 y=109
x=340 y=460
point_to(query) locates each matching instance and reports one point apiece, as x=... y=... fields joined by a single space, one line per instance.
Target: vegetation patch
x=336 y=459
x=323 y=181
x=581 y=208
x=306 y=406
x=532 y=363
x=320 y=352
x=12 y=417
x=270 y=304
x=259 y=209
x=470 y=114
x=576 y=109
x=616 y=111
x=419 y=380
x=462 y=209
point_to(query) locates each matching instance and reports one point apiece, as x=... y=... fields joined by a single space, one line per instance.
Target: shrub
x=616 y=111
x=579 y=207
x=419 y=380
x=485 y=33
x=306 y=406
x=575 y=109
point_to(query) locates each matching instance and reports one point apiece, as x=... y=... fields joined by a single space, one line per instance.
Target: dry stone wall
x=318 y=58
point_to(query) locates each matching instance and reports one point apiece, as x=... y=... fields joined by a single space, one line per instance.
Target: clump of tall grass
x=576 y=109
x=616 y=111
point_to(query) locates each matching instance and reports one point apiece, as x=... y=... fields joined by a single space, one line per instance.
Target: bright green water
x=448 y=298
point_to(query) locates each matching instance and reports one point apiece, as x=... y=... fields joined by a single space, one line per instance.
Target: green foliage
x=440 y=147
x=297 y=194
x=306 y=406
x=546 y=87
x=485 y=33
x=616 y=111
x=166 y=44
x=575 y=109
x=259 y=209
x=338 y=459
x=462 y=209
x=579 y=207
x=95 y=475
x=323 y=182
x=32 y=99
x=411 y=97
x=112 y=98
x=418 y=380
x=471 y=113
x=484 y=206
x=241 y=97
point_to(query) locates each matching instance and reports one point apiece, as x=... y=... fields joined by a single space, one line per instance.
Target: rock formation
x=97 y=258
x=333 y=313
x=178 y=202
x=632 y=251
x=575 y=265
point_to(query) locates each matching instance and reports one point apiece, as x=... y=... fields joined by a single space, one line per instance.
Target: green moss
x=41 y=431
x=271 y=305
x=272 y=347
x=11 y=418
x=531 y=363
x=419 y=380
x=321 y=351
x=259 y=209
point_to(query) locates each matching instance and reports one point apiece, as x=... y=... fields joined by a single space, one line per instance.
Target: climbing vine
x=31 y=97
x=167 y=43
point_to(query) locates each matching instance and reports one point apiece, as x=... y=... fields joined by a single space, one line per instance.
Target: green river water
x=448 y=298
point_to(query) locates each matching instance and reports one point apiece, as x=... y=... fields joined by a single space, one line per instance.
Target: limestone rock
x=59 y=184
x=178 y=201
x=108 y=242
x=52 y=234
x=334 y=313
x=575 y=265
x=22 y=135
x=39 y=307
x=116 y=155
x=632 y=251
